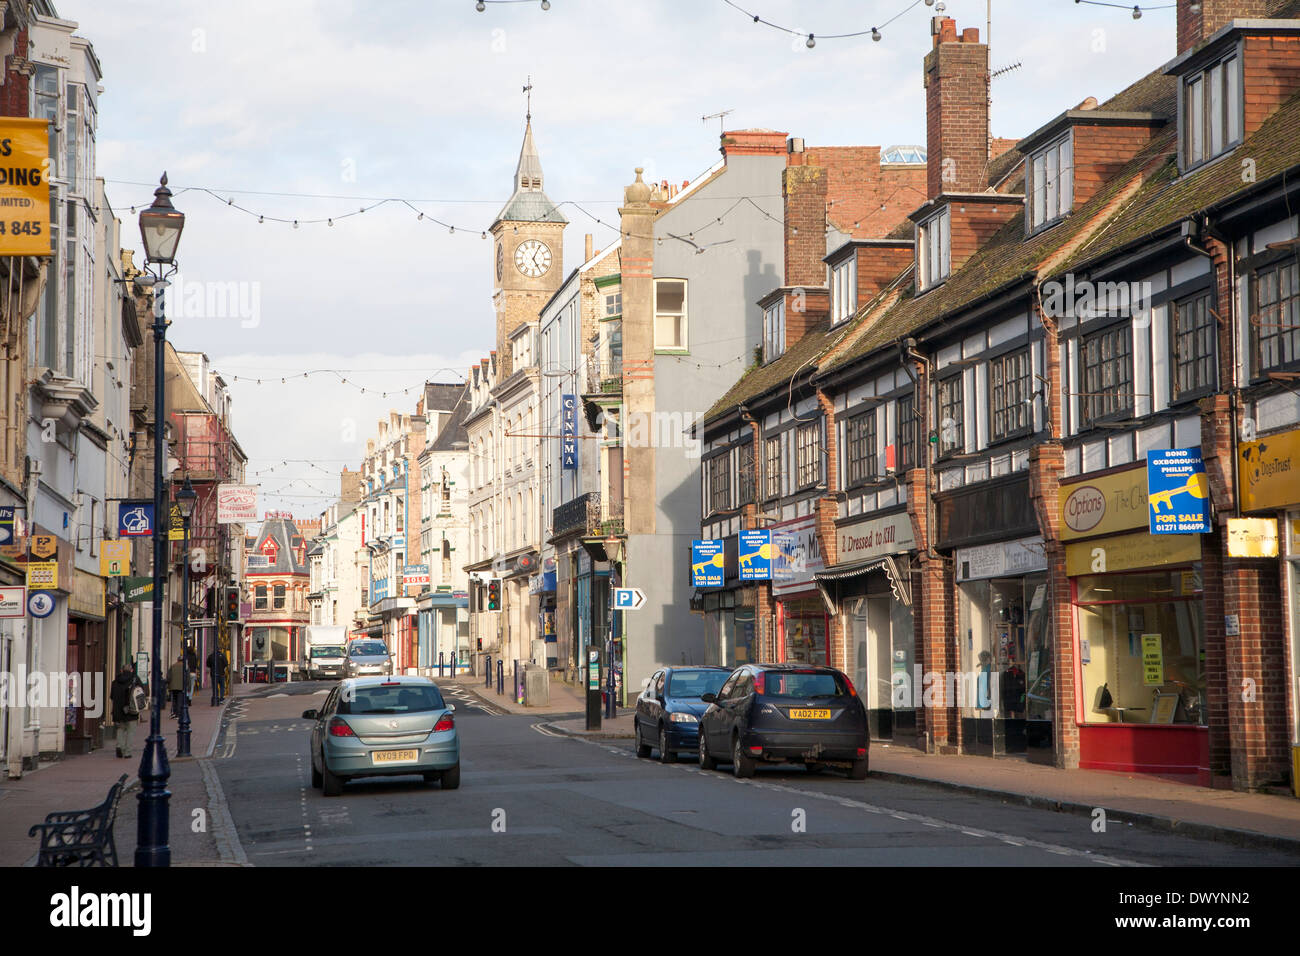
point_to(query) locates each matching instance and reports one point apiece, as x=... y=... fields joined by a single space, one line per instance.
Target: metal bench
x=81 y=837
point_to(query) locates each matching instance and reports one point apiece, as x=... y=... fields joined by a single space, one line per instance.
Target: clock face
x=532 y=258
x=501 y=260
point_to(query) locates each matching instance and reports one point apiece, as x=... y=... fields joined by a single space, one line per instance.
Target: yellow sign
x=115 y=559
x=24 y=187
x=1269 y=470
x=1129 y=552
x=44 y=546
x=1153 y=660
x=1252 y=537
x=176 y=528
x=43 y=575
x=1104 y=505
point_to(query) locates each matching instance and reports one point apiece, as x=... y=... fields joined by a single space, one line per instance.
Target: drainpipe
x=1201 y=226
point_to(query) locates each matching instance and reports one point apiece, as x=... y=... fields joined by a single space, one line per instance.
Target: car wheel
x=859 y=770
x=665 y=754
x=642 y=750
x=706 y=762
x=741 y=765
x=451 y=778
x=316 y=779
x=331 y=785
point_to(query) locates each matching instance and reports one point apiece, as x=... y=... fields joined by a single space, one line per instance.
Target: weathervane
x=528 y=91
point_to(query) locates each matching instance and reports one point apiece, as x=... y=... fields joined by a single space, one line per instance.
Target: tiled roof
x=453 y=434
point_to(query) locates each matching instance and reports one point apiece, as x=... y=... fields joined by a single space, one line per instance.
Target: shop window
x=772 y=468
x=1194 y=341
x=1275 y=326
x=1009 y=391
x=952 y=426
x=805 y=631
x=1107 y=361
x=1007 y=657
x=1141 y=637
x=860 y=437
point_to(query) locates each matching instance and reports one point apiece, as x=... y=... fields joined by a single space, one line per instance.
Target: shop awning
x=899 y=578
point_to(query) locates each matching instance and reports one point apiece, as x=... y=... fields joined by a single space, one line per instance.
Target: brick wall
x=864 y=199
x=1100 y=152
x=974 y=223
x=1195 y=25
x=880 y=265
x=1271 y=73
x=752 y=142
x=804 y=309
x=15 y=97
x=803 y=189
x=956 y=75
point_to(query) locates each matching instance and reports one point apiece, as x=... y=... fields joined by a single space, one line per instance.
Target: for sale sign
x=236 y=504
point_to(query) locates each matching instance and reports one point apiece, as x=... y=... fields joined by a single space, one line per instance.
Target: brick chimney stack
x=1200 y=19
x=957 y=110
x=804 y=190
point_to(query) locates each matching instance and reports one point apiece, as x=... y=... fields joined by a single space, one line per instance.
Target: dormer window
x=1050 y=185
x=933 y=250
x=1211 y=110
x=844 y=289
x=774 y=330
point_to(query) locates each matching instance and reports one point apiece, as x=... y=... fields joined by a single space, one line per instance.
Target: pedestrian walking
x=176 y=683
x=217 y=667
x=126 y=707
x=191 y=671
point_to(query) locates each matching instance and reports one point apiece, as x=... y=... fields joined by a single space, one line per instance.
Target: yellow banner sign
x=1104 y=505
x=24 y=187
x=115 y=559
x=1252 y=537
x=44 y=546
x=176 y=526
x=1129 y=552
x=43 y=575
x=1269 y=470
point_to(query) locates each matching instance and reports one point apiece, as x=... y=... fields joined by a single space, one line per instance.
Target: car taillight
x=445 y=722
x=862 y=751
x=852 y=690
x=760 y=682
x=339 y=728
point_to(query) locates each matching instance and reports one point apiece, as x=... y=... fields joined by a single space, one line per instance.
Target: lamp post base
x=152 y=826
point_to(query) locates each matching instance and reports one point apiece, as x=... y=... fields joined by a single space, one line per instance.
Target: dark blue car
x=668 y=710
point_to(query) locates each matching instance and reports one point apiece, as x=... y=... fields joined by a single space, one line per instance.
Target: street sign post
x=628 y=599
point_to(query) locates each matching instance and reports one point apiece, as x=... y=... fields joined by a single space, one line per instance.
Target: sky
x=314 y=109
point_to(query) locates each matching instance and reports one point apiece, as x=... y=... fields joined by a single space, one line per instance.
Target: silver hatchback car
x=384 y=726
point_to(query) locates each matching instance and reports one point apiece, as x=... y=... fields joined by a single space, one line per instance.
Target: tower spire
x=528 y=92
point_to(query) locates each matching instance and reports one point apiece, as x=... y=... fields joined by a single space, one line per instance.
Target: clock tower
x=527 y=250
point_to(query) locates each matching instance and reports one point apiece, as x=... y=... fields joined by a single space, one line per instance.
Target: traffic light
x=232 y=604
x=494 y=594
x=480 y=643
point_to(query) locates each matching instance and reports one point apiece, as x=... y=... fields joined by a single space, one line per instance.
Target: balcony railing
x=605 y=373
x=582 y=515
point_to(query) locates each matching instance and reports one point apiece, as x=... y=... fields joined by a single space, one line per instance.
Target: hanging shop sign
x=114 y=559
x=137 y=590
x=1178 y=491
x=135 y=519
x=43 y=574
x=24 y=187
x=7 y=527
x=1104 y=504
x=40 y=603
x=236 y=504
x=1252 y=537
x=755 y=549
x=13 y=601
x=708 y=562
x=175 y=524
x=796 y=555
x=44 y=546
x=1269 y=470
x=569 y=432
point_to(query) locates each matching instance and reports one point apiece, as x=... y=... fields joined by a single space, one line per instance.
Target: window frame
x=771 y=467
x=955 y=379
x=774 y=337
x=860 y=434
x=1196 y=96
x=1053 y=211
x=744 y=493
x=1259 y=371
x=719 y=472
x=1205 y=297
x=1018 y=405
x=843 y=283
x=925 y=280
x=684 y=344
x=1089 y=416
x=905 y=442
x=807 y=454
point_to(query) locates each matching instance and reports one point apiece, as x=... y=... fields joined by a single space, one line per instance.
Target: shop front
x=1006 y=648
x=1139 y=632
x=87 y=658
x=1269 y=470
x=730 y=626
x=802 y=618
x=870 y=587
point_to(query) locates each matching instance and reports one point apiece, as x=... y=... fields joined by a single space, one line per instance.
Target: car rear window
x=804 y=684
x=695 y=683
x=393 y=699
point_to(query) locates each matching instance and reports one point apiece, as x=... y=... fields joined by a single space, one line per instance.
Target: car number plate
x=797 y=713
x=394 y=756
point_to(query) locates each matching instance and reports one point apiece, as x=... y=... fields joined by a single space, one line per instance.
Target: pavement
x=1245 y=819
x=83 y=781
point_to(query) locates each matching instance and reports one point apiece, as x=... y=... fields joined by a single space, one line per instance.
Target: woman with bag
x=127 y=694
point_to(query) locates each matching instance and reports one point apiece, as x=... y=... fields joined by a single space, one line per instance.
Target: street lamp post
x=185 y=502
x=160 y=229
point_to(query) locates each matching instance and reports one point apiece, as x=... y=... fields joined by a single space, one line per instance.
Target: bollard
x=501 y=676
x=487 y=667
x=440 y=663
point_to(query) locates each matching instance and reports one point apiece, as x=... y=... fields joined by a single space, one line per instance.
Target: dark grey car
x=368 y=656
